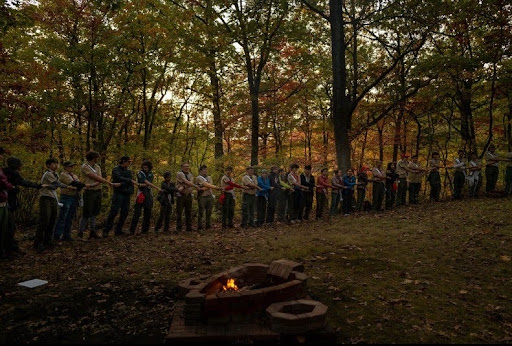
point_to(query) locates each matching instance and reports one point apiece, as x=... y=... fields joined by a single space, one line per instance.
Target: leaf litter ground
x=433 y=273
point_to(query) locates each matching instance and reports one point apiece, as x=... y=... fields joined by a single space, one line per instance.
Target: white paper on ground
x=33 y=283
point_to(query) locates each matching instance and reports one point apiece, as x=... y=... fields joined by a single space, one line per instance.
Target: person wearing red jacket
x=5 y=186
x=227 y=199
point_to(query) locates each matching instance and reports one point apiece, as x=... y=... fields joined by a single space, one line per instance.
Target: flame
x=230 y=286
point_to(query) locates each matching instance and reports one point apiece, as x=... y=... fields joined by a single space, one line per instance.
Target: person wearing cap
x=227 y=199
x=434 y=177
x=91 y=173
x=459 y=177
x=145 y=178
x=250 y=181
x=205 y=198
x=402 y=169
x=362 y=182
x=275 y=191
x=166 y=199
x=262 y=197
x=123 y=178
x=48 y=205
x=5 y=187
x=14 y=177
x=307 y=180
x=491 y=169
x=69 y=199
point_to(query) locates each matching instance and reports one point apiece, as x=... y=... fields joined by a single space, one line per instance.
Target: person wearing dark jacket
x=121 y=199
x=166 y=199
x=5 y=187
x=307 y=180
x=12 y=172
x=274 y=193
x=145 y=179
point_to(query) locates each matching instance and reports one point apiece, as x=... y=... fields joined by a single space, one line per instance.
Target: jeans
x=378 y=195
x=261 y=210
x=205 y=209
x=164 y=217
x=248 y=206
x=120 y=202
x=47 y=217
x=414 y=192
x=491 y=177
x=335 y=202
x=348 y=195
x=321 y=204
x=401 y=196
x=66 y=216
x=137 y=210
x=228 y=210
x=184 y=203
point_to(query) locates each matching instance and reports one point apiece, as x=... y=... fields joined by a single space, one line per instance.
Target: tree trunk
x=341 y=117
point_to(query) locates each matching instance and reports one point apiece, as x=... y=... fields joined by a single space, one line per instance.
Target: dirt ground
x=433 y=273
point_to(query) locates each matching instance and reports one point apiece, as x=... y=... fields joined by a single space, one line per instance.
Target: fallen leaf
x=505 y=258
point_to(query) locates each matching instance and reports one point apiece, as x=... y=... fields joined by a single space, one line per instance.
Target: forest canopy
x=262 y=81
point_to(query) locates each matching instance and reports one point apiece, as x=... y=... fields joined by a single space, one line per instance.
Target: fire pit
x=230 y=306
x=243 y=293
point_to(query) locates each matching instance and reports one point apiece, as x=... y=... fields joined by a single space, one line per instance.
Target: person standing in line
x=402 y=169
x=144 y=200
x=91 y=172
x=262 y=197
x=283 y=196
x=415 y=176
x=379 y=189
x=12 y=172
x=492 y=170
x=69 y=199
x=184 y=184
x=122 y=176
x=459 y=177
x=205 y=198
x=275 y=191
x=336 y=192
x=166 y=199
x=362 y=182
x=391 y=185
x=249 y=197
x=322 y=184
x=295 y=197
x=48 y=205
x=474 y=177
x=307 y=180
x=434 y=177
x=227 y=198
x=349 y=181
x=508 y=175
x=5 y=187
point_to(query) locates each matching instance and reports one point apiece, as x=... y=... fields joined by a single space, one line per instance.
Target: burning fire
x=230 y=286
